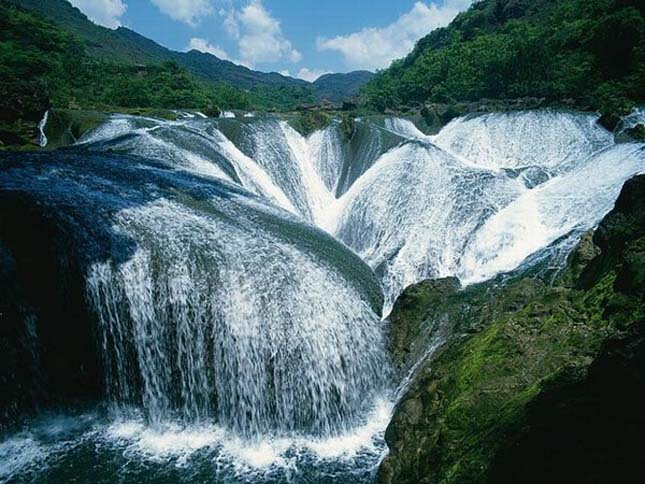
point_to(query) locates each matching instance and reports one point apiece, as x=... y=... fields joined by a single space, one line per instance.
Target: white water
x=42 y=138
x=229 y=335
x=474 y=200
x=212 y=308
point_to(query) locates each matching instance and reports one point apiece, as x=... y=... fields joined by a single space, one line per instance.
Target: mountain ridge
x=124 y=45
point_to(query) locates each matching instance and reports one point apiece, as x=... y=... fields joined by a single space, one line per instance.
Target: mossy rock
x=609 y=121
x=635 y=133
x=545 y=389
x=309 y=121
x=348 y=127
x=66 y=126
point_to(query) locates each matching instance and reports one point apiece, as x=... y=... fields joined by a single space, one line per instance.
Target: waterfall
x=228 y=321
x=479 y=198
x=214 y=306
x=42 y=138
x=239 y=271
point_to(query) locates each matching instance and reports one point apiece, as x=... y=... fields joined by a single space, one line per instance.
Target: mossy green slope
x=477 y=408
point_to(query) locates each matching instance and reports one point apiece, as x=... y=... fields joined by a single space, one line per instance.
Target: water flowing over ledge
x=477 y=199
x=237 y=271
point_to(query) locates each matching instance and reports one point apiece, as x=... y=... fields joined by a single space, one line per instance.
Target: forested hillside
x=585 y=53
x=124 y=46
x=43 y=65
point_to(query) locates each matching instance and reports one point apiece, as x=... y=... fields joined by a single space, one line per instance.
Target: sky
x=300 y=38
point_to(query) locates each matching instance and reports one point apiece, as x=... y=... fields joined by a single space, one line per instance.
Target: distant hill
x=125 y=46
x=337 y=87
x=586 y=53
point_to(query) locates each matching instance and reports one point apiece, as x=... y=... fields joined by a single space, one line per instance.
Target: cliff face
x=537 y=383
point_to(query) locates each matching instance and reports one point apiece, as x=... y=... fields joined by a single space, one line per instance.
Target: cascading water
x=226 y=320
x=416 y=206
x=227 y=317
x=42 y=137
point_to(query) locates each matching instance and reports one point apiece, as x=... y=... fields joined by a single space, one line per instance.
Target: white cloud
x=102 y=12
x=187 y=11
x=306 y=74
x=203 y=45
x=376 y=48
x=310 y=74
x=259 y=35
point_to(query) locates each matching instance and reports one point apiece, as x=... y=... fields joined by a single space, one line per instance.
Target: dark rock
x=579 y=259
x=635 y=133
x=609 y=121
x=212 y=111
x=48 y=349
x=622 y=226
x=22 y=105
x=412 y=321
x=588 y=430
x=349 y=106
x=548 y=385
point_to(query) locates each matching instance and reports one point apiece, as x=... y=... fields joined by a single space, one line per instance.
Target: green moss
x=475 y=396
x=65 y=126
x=309 y=121
x=348 y=126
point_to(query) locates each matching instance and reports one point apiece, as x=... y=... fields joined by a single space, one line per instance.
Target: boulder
x=533 y=383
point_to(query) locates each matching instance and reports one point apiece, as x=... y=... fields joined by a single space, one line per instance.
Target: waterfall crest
x=479 y=198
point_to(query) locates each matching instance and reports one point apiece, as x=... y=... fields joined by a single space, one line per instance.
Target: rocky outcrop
x=48 y=351
x=548 y=388
x=635 y=133
x=22 y=105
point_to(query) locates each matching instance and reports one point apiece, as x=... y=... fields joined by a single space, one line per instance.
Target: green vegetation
x=584 y=53
x=338 y=87
x=538 y=383
x=310 y=120
x=43 y=66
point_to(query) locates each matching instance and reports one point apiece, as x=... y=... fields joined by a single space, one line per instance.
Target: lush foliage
x=309 y=121
x=591 y=52
x=43 y=65
x=126 y=47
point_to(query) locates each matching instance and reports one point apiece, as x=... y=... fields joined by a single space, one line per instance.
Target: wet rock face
x=412 y=321
x=635 y=133
x=549 y=386
x=47 y=351
x=586 y=430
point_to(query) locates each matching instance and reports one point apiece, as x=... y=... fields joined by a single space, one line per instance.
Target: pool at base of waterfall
x=91 y=445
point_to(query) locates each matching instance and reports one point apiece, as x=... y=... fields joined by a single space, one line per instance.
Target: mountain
x=538 y=383
x=589 y=54
x=337 y=87
x=126 y=46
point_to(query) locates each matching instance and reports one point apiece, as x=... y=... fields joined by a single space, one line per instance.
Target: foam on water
x=548 y=139
x=414 y=209
x=179 y=442
x=214 y=307
x=412 y=213
x=575 y=201
x=52 y=443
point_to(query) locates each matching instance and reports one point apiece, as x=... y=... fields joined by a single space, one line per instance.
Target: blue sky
x=301 y=38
